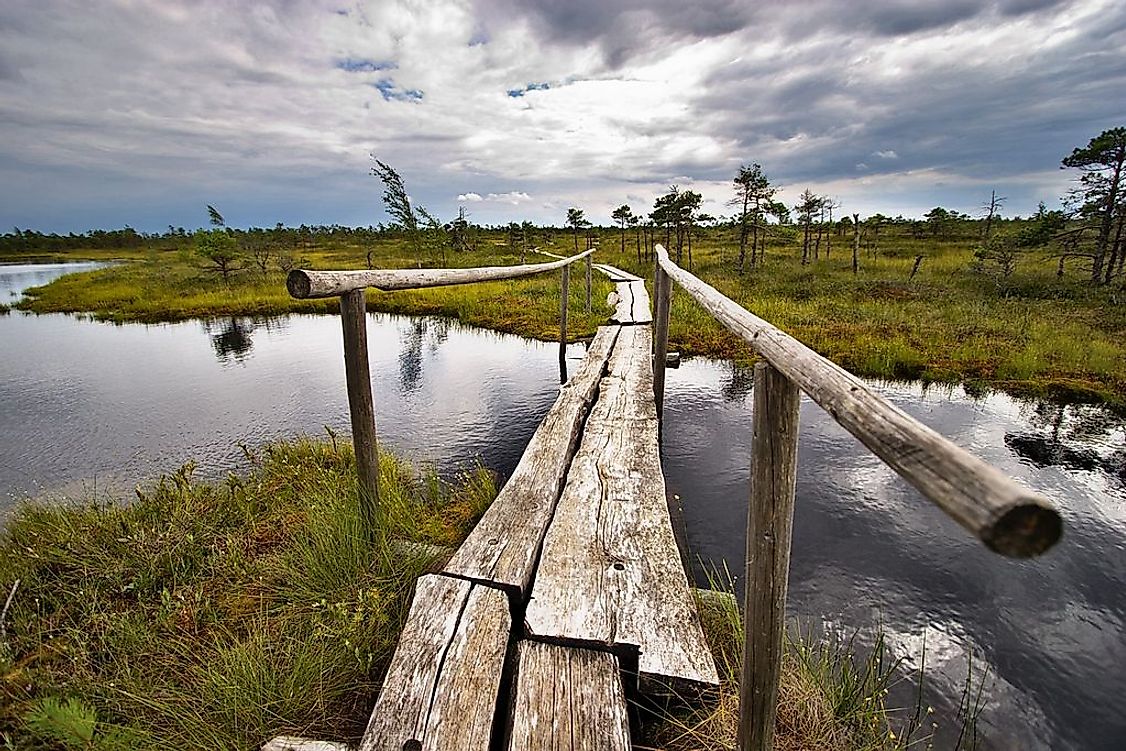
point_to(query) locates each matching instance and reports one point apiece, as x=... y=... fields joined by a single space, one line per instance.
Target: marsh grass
x=1029 y=334
x=216 y=615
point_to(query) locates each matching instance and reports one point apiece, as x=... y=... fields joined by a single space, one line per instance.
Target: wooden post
x=661 y=336
x=353 y=316
x=855 y=243
x=564 y=299
x=769 y=520
x=588 y=265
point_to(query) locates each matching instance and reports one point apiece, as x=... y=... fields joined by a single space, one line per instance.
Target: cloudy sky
x=140 y=112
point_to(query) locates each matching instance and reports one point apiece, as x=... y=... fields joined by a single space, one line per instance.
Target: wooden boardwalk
x=572 y=573
x=569 y=597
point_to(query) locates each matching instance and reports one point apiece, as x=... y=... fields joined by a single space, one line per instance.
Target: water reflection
x=867 y=548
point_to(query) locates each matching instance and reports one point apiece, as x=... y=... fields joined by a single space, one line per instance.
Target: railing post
x=770 y=517
x=564 y=299
x=663 y=302
x=588 y=265
x=353 y=316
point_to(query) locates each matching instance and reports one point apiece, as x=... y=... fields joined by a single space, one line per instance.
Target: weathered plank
x=632 y=304
x=567 y=699
x=616 y=274
x=306 y=284
x=661 y=337
x=770 y=517
x=610 y=573
x=1007 y=517
x=502 y=549
x=441 y=689
x=293 y=743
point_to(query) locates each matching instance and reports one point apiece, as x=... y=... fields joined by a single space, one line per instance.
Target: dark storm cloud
x=823 y=111
x=623 y=29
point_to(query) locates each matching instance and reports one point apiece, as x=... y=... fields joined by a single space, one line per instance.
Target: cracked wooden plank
x=567 y=699
x=503 y=548
x=610 y=573
x=441 y=689
x=632 y=303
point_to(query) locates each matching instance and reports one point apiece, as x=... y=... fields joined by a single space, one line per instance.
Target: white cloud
x=888 y=154
x=470 y=197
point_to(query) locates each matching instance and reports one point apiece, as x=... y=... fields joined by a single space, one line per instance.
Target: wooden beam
x=1007 y=517
x=661 y=338
x=305 y=284
x=504 y=546
x=567 y=699
x=611 y=574
x=442 y=687
x=770 y=515
x=353 y=318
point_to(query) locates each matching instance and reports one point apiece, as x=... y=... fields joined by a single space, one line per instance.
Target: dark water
x=85 y=403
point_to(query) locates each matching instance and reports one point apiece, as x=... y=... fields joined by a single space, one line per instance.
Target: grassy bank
x=1029 y=333
x=215 y=615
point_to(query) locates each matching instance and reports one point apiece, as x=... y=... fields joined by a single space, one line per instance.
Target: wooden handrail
x=305 y=284
x=1007 y=517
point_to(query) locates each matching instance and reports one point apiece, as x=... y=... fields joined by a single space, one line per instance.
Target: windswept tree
x=576 y=221
x=218 y=247
x=622 y=215
x=397 y=203
x=1102 y=163
x=753 y=195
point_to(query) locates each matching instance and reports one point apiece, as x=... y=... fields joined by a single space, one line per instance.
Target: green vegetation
x=215 y=615
x=922 y=305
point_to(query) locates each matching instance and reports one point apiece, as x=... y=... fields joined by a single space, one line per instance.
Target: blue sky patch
x=359 y=65
x=530 y=87
x=390 y=91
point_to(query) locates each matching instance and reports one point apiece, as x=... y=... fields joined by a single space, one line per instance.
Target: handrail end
x=1024 y=530
x=299 y=284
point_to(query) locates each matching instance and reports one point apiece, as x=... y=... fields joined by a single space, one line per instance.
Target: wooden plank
x=770 y=517
x=305 y=284
x=293 y=743
x=615 y=274
x=1007 y=517
x=441 y=690
x=610 y=573
x=567 y=699
x=504 y=546
x=353 y=319
x=632 y=304
x=661 y=338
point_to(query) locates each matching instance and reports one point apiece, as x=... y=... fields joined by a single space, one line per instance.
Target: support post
x=588 y=265
x=353 y=317
x=663 y=294
x=564 y=299
x=770 y=516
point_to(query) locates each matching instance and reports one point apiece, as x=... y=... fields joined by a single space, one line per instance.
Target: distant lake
x=91 y=407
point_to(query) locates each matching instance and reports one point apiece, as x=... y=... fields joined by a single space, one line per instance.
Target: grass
x=215 y=615
x=1030 y=334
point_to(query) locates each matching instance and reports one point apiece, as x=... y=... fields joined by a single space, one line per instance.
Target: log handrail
x=305 y=284
x=1006 y=516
